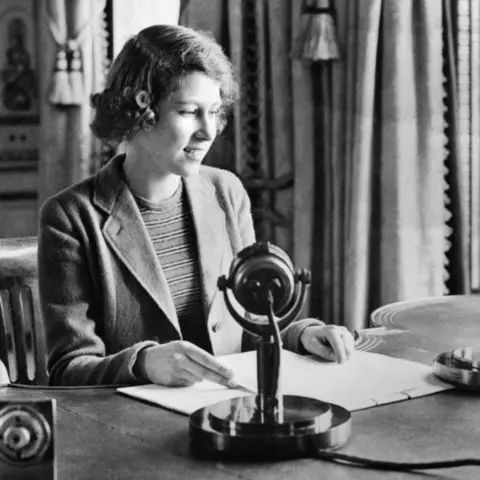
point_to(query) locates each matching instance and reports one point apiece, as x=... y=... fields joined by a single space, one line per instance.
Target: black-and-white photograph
x=239 y=239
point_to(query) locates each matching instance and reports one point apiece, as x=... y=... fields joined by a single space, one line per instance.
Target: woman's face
x=186 y=126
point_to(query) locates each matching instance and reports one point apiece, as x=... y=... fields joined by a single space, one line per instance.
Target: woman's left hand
x=331 y=342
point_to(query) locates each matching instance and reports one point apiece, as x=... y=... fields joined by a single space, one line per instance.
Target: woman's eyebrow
x=195 y=102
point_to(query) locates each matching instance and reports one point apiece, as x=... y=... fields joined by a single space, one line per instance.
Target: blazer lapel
x=127 y=235
x=209 y=222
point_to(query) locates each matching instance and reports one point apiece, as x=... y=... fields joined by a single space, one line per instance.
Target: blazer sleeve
x=290 y=335
x=70 y=306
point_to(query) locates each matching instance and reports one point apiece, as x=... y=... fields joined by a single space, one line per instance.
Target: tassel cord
x=67 y=82
x=317 y=40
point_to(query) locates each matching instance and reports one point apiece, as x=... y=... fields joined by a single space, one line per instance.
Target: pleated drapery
x=380 y=233
x=74 y=60
x=462 y=115
x=363 y=140
x=269 y=140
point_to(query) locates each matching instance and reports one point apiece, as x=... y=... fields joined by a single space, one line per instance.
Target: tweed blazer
x=103 y=293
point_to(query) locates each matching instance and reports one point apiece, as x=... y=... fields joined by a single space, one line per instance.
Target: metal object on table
x=467 y=357
x=268 y=424
x=460 y=367
x=27 y=430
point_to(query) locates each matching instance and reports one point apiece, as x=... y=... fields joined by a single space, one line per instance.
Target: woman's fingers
x=208 y=361
x=196 y=364
x=330 y=342
x=334 y=337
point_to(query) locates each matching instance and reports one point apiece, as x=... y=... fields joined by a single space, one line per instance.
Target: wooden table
x=101 y=434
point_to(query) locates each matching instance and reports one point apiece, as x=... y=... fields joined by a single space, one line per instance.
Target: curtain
x=74 y=45
x=269 y=140
x=379 y=217
x=345 y=161
x=462 y=80
x=260 y=39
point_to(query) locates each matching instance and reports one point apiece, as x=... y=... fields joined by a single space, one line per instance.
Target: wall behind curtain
x=129 y=17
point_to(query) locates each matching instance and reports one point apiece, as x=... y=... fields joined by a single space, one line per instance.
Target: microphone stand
x=269 y=349
x=267 y=425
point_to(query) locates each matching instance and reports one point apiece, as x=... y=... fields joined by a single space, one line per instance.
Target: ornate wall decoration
x=19 y=117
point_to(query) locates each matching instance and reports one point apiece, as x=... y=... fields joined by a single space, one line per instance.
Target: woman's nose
x=208 y=127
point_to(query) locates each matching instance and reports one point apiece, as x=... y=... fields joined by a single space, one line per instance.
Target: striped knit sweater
x=171 y=229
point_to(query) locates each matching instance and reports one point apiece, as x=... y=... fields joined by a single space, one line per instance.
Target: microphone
x=264 y=283
x=258 y=271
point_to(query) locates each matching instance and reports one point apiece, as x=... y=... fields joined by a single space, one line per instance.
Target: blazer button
x=215 y=327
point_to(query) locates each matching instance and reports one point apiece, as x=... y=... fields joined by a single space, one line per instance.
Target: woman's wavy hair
x=148 y=69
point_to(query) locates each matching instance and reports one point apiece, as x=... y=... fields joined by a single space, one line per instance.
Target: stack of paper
x=366 y=380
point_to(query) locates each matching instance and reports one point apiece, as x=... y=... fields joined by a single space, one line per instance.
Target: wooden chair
x=22 y=339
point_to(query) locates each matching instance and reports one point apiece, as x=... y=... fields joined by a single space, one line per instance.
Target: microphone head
x=259 y=270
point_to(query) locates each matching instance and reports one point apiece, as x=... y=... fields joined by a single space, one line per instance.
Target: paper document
x=366 y=380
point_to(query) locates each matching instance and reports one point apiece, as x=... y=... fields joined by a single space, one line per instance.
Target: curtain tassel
x=317 y=40
x=61 y=93
x=75 y=75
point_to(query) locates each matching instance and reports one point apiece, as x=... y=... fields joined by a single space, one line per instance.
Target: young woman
x=129 y=259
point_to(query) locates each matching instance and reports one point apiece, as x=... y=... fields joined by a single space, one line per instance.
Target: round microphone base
x=237 y=428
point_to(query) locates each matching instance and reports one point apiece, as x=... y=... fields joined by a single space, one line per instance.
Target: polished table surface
x=102 y=434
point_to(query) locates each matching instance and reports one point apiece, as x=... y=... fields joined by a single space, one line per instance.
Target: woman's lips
x=195 y=153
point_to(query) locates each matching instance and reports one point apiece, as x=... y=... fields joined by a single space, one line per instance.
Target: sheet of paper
x=366 y=380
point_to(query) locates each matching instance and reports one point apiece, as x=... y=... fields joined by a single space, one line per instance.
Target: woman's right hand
x=179 y=364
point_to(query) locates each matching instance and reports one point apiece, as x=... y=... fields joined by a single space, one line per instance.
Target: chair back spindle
x=22 y=338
